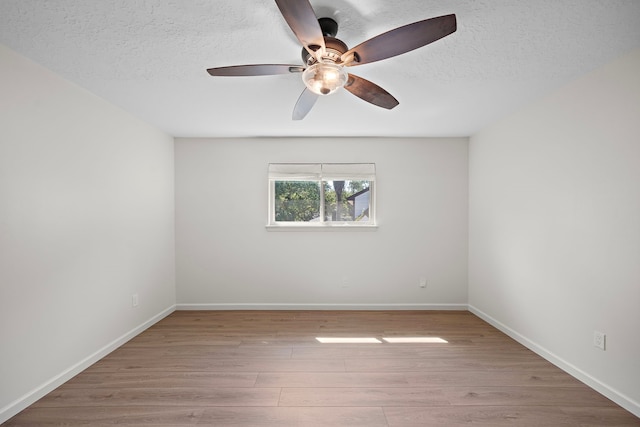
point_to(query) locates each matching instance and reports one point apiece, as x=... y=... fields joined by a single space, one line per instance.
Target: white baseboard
x=31 y=397
x=602 y=388
x=329 y=306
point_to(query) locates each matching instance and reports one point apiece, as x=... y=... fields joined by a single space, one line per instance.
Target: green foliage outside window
x=299 y=201
x=338 y=207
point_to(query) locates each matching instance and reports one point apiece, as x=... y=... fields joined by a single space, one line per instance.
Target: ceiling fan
x=325 y=57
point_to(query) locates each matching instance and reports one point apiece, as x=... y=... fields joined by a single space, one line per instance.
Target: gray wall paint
x=86 y=220
x=226 y=256
x=555 y=226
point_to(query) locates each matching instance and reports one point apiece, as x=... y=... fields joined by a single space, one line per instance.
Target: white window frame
x=320 y=172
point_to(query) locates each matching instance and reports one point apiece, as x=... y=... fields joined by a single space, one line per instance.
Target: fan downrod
x=328 y=26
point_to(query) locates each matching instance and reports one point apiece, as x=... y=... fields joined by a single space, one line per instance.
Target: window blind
x=322 y=171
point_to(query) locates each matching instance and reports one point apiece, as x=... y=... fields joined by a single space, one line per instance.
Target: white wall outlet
x=422 y=282
x=599 y=339
x=134 y=300
x=344 y=283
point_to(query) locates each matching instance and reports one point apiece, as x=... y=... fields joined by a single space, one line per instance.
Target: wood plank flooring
x=266 y=368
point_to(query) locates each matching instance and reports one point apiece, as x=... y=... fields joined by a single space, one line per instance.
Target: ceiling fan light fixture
x=325 y=57
x=324 y=78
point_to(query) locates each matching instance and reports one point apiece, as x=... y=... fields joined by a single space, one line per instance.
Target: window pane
x=297 y=201
x=347 y=200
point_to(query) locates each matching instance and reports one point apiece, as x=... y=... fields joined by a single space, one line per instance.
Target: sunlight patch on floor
x=416 y=340
x=354 y=340
x=390 y=340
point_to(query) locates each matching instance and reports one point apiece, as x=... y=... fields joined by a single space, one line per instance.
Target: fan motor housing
x=334 y=47
x=334 y=50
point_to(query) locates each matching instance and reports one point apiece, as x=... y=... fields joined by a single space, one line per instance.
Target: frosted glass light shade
x=324 y=78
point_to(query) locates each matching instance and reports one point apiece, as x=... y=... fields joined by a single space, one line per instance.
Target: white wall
x=86 y=220
x=226 y=258
x=554 y=250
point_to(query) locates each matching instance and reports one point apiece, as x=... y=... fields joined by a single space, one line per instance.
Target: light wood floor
x=259 y=368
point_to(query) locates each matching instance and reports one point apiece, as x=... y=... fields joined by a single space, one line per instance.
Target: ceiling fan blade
x=305 y=102
x=303 y=21
x=401 y=40
x=255 y=70
x=370 y=92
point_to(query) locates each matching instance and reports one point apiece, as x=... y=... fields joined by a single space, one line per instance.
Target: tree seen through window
x=299 y=201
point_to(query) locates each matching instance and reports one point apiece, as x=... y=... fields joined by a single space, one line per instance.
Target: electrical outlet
x=599 y=340
x=344 y=283
x=134 y=300
x=422 y=282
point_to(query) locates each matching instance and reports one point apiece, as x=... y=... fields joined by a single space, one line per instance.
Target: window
x=321 y=194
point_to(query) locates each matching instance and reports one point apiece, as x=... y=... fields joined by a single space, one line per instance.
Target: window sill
x=321 y=227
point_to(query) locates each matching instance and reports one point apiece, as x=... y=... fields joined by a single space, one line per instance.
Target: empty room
x=320 y=213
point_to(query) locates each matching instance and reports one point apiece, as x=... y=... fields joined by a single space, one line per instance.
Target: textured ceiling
x=149 y=57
